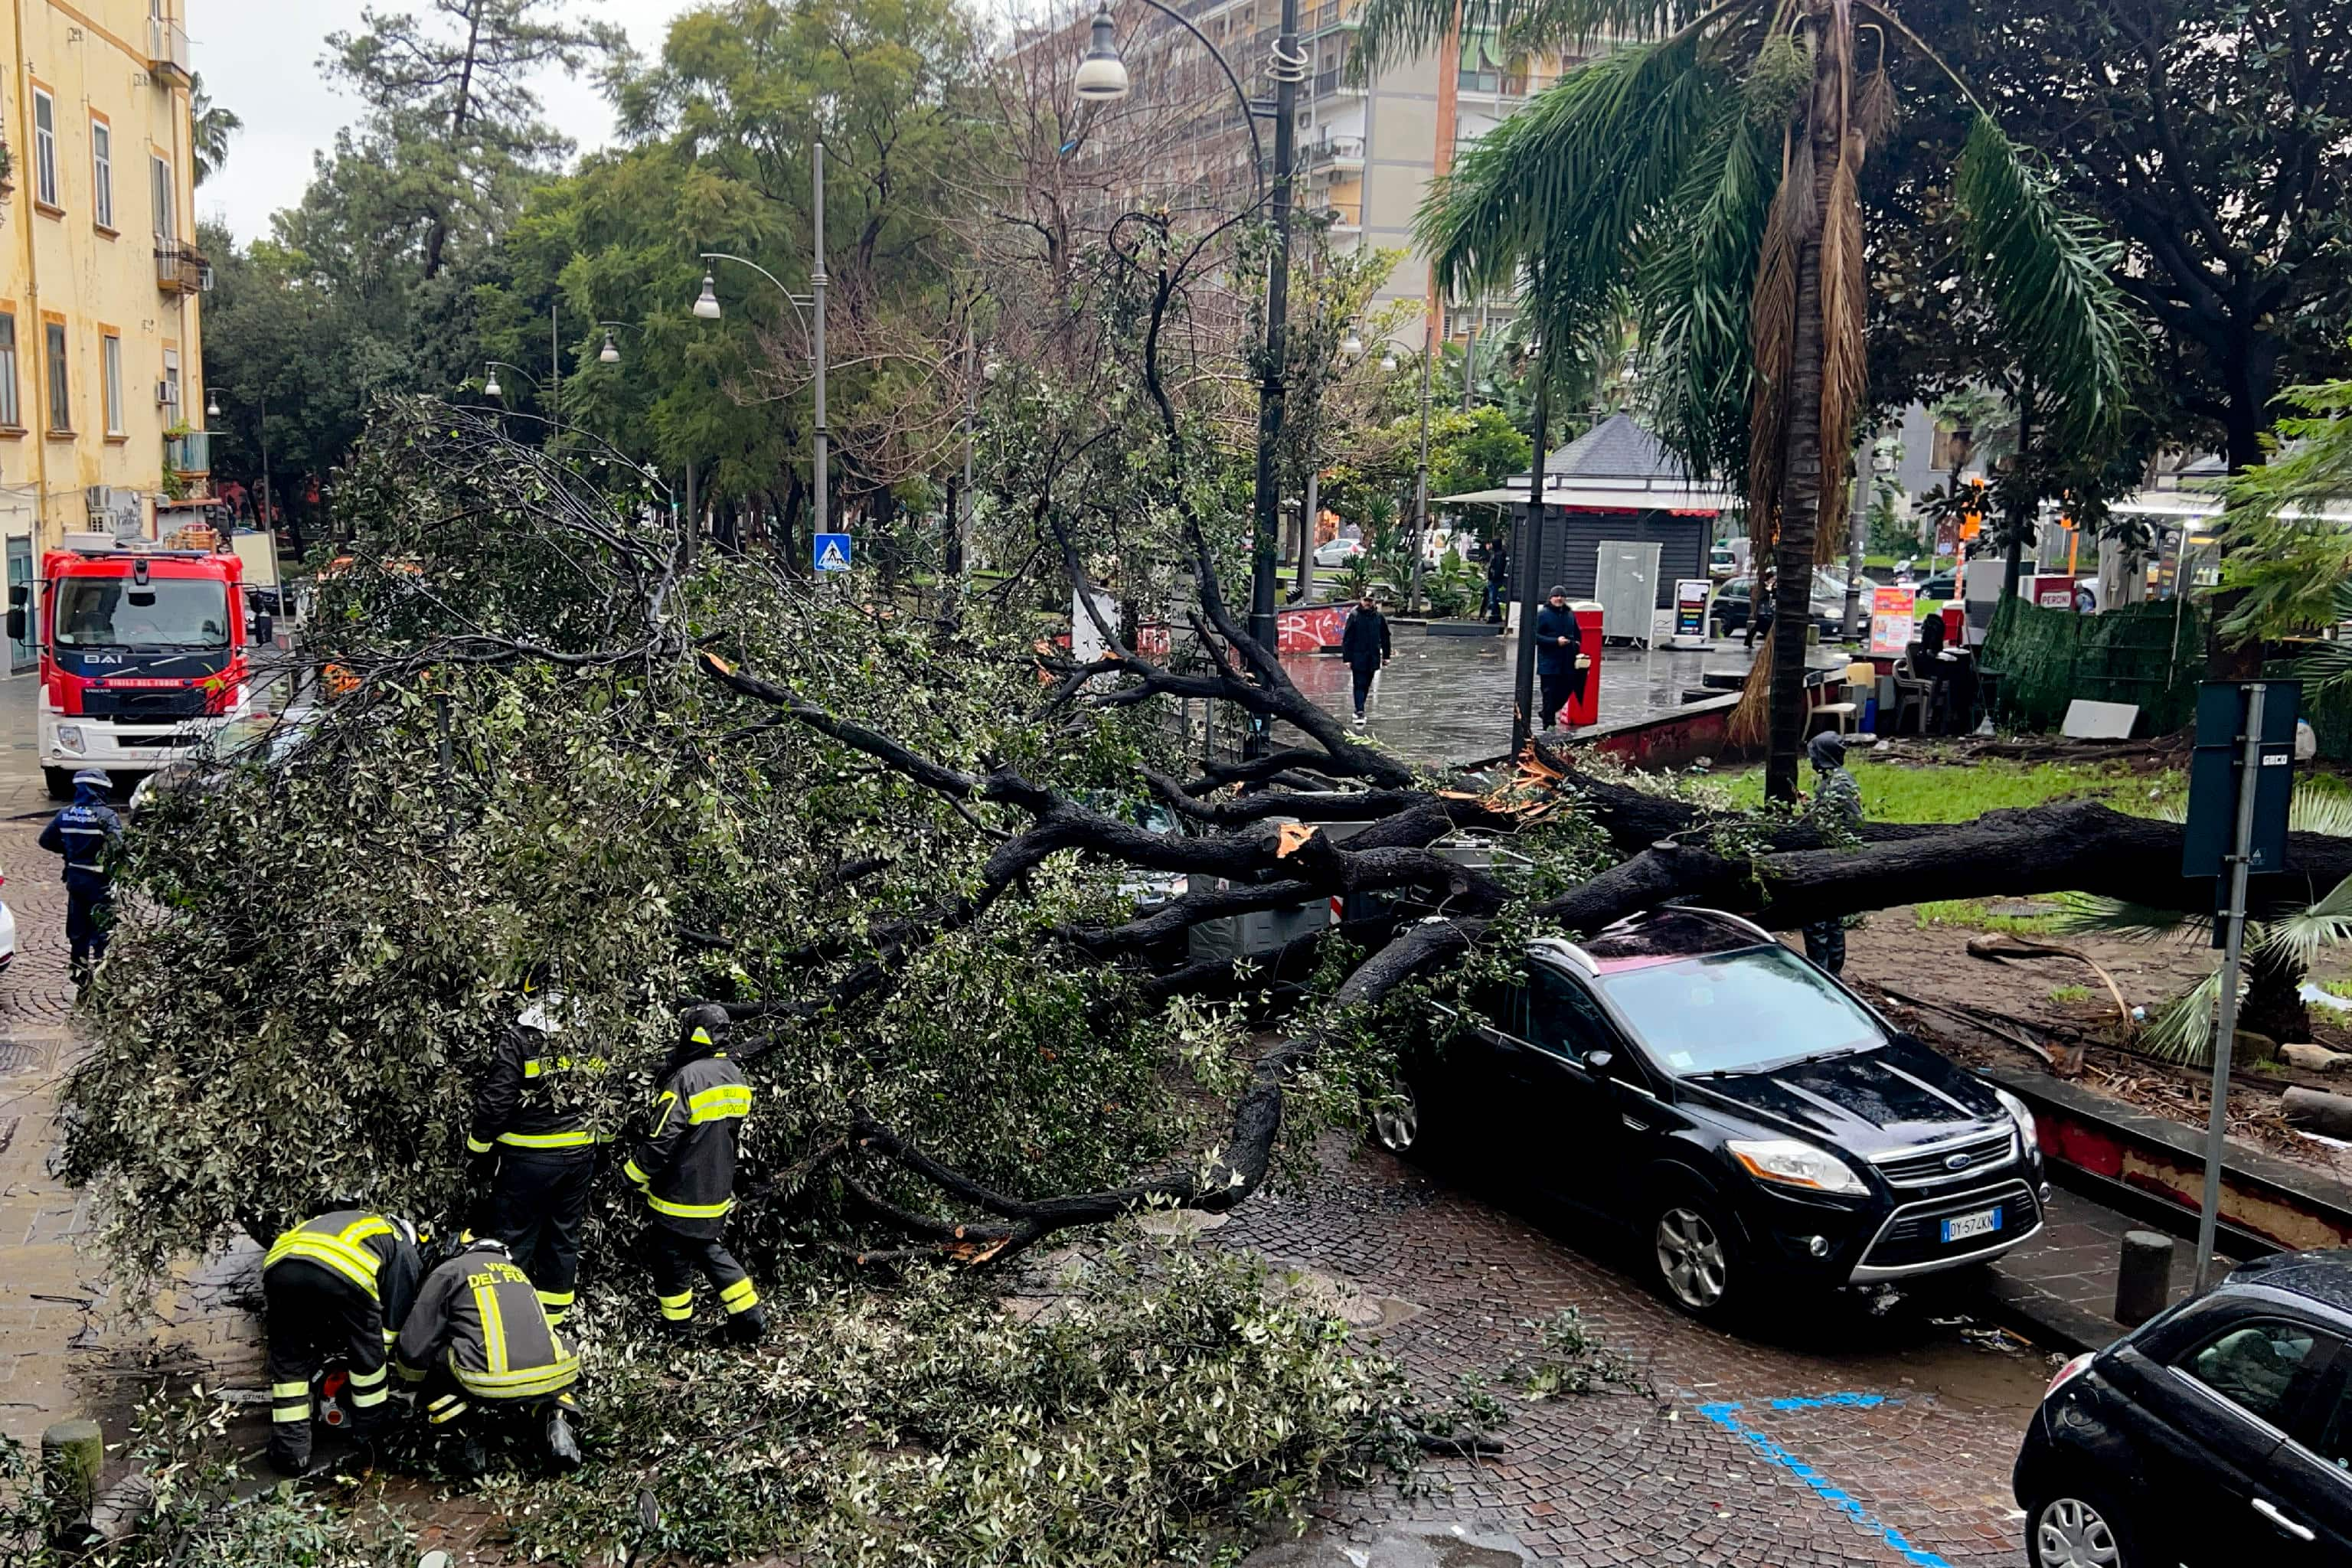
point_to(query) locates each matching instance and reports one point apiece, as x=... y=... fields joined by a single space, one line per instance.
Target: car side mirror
x=264 y=628
x=16 y=623
x=19 y=595
x=1599 y=1060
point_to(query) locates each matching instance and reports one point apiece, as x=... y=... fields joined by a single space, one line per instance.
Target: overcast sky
x=261 y=58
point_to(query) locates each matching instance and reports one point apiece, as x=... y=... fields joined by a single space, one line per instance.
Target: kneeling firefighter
x=686 y=1167
x=340 y=1285
x=480 y=1341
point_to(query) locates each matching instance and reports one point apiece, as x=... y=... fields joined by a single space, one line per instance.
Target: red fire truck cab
x=143 y=654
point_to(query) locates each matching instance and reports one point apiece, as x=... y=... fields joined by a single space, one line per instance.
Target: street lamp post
x=269 y=522
x=1421 y=470
x=1102 y=76
x=707 y=307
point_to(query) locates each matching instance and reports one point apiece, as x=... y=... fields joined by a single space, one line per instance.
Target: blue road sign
x=833 y=552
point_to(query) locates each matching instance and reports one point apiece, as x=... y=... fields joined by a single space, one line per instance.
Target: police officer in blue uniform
x=87 y=833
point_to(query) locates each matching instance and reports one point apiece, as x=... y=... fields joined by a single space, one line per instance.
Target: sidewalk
x=2061 y=1286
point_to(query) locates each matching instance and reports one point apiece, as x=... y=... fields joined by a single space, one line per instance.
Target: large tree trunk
x=1801 y=500
x=2273 y=1003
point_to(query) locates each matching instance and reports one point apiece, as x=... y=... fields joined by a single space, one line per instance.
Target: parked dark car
x=1939 y=586
x=1758 y=1126
x=2219 y=1433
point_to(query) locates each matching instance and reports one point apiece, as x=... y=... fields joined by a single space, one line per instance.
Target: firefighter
x=339 y=1285
x=534 y=1144
x=685 y=1165
x=87 y=833
x=479 y=1340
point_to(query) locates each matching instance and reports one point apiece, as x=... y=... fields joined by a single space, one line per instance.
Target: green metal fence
x=2152 y=656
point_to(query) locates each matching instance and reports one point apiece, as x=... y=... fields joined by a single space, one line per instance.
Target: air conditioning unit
x=115 y=512
x=167 y=395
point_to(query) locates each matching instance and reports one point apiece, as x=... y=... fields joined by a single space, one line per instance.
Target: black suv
x=1754 y=1121
x=2218 y=1433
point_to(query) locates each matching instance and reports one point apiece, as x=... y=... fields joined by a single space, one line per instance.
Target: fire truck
x=143 y=654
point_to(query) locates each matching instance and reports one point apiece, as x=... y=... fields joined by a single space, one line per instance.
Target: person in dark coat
x=1365 y=645
x=1837 y=807
x=1499 y=581
x=1559 y=644
x=87 y=833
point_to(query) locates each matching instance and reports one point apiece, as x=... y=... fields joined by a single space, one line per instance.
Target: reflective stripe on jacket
x=363 y=1248
x=528 y=1097
x=479 y=1315
x=685 y=1164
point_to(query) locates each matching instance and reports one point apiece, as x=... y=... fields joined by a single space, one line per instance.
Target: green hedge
x=2150 y=655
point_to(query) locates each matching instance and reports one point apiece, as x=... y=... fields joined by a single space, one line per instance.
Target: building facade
x=100 y=279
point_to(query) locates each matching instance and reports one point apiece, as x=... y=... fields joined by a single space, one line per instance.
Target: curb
x=2044 y=1319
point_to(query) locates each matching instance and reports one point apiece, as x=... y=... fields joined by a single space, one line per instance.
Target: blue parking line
x=1726 y=1415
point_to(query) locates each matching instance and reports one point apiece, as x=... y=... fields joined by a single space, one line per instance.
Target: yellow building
x=100 y=279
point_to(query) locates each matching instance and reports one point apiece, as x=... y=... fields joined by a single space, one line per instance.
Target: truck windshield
x=163 y=612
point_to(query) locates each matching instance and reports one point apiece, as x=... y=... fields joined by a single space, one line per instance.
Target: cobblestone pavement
x=1841 y=1439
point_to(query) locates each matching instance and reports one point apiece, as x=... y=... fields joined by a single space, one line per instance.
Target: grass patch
x=1936 y=793
x=2338 y=988
x=1979 y=915
x=2069 y=993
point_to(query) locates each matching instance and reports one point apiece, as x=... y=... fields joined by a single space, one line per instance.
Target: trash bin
x=1584 y=708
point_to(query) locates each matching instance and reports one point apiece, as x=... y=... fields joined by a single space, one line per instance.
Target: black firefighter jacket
x=685 y=1164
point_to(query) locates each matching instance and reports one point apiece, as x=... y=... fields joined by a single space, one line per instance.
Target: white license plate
x=1983 y=1222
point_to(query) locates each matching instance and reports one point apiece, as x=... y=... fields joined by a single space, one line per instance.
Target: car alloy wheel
x=2070 y=1533
x=1397 y=1121
x=1692 y=1259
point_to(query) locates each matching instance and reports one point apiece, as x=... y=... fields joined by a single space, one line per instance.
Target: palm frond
x=2183 y=1031
x=1574 y=178
x=1389 y=32
x=2300 y=937
x=1693 y=288
x=2315 y=810
x=2330 y=664
x=2085 y=914
x=2047 y=270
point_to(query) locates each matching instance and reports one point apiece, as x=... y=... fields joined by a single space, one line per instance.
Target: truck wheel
x=60 y=783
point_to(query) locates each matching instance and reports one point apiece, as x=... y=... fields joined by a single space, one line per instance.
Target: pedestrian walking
x=1364 y=643
x=1837 y=809
x=1560 y=652
x=1499 y=581
x=88 y=833
x=532 y=1145
x=1767 y=605
x=336 y=1286
x=685 y=1165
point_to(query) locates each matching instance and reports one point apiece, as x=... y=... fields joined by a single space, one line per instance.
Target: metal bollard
x=72 y=1453
x=2142 y=1278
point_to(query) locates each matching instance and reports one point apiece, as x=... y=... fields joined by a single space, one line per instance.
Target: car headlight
x=70 y=737
x=2019 y=1114
x=1795 y=1164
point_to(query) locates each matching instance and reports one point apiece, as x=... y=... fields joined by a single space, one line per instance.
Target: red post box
x=1584 y=708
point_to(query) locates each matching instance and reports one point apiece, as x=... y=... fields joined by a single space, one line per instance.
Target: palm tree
x=1714 y=172
x=209 y=129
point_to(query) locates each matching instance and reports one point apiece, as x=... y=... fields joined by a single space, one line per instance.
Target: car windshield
x=1737 y=1012
x=162 y=612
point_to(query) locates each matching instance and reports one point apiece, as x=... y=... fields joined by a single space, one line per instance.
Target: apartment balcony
x=1334 y=83
x=181 y=267
x=189 y=455
x=1347 y=216
x=168 y=55
x=1333 y=154
x=1324 y=17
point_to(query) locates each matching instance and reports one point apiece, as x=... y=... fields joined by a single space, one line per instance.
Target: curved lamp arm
x=1249 y=115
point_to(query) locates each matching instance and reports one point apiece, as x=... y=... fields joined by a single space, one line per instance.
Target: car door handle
x=2268 y=1510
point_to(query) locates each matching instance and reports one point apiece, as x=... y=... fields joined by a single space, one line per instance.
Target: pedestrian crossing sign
x=833 y=552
